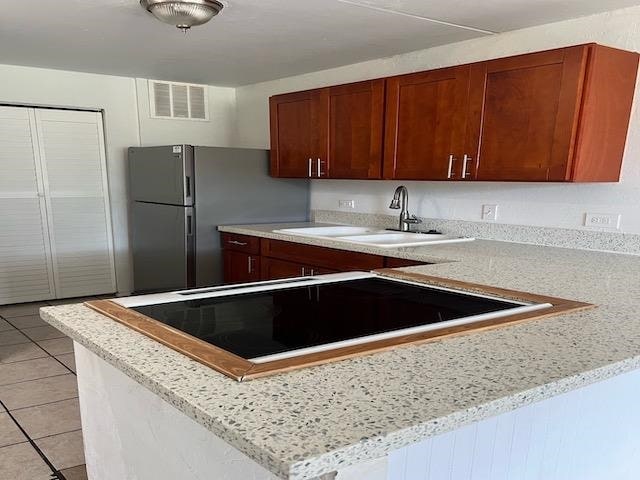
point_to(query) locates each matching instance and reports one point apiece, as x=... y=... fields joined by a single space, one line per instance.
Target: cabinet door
x=425 y=124
x=298 y=133
x=528 y=115
x=240 y=267
x=74 y=170
x=356 y=121
x=26 y=268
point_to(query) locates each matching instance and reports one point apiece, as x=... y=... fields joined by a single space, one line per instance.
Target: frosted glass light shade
x=183 y=14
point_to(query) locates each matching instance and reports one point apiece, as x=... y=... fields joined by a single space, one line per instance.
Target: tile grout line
x=54 y=471
x=42 y=405
x=54 y=357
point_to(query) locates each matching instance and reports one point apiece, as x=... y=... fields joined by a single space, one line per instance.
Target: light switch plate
x=609 y=221
x=489 y=213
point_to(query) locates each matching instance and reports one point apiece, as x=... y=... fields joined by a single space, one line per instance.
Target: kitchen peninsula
x=524 y=387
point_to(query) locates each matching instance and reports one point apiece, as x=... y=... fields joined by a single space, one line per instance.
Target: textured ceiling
x=256 y=40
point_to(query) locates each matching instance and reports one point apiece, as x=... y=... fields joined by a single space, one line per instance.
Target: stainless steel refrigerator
x=179 y=196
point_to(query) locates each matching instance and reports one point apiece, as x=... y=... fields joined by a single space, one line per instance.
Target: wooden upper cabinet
x=560 y=115
x=298 y=132
x=426 y=116
x=333 y=132
x=356 y=122
x=555 y=116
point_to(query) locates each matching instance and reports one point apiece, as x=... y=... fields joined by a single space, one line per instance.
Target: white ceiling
x=256 y=40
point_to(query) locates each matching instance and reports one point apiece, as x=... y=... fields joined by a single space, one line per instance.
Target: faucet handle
x=413 y=220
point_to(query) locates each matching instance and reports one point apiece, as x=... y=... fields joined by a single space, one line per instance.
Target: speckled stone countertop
x=308 y=422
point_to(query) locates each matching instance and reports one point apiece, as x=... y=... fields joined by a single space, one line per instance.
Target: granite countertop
x=308 y=422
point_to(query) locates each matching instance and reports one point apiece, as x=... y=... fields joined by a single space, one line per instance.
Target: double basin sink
x=374 y=237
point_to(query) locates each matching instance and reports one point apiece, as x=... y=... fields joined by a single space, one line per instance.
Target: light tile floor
x=40 y=433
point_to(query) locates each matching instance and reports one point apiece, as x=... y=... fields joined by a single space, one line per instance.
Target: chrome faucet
x=401 y=202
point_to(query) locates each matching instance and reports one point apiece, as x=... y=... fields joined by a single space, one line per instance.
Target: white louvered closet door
x=25 y=258
x=71 y=148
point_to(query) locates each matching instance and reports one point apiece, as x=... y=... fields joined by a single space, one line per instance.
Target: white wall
x=531 y=204
x=215 y=132
x=127 y=122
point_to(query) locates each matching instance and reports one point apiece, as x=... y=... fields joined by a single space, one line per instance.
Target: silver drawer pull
x=465 y=163
x=235 y=242
x=450 y=170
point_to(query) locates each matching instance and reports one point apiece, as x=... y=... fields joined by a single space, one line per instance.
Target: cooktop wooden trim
x=241 y=369
x=212 y=356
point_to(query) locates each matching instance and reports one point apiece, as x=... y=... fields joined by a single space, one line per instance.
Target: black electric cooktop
x=253 y=325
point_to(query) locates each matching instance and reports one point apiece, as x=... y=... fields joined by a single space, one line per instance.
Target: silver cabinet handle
x=303 y=272
x=235 y=242
x=450 y=170
x=313 y=272
x=249 y=264
x=320 y=172
x=465 y=163
x=310 y=168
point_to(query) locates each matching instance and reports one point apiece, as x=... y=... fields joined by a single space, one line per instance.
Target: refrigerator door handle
x=190 y=248
x=187 y=186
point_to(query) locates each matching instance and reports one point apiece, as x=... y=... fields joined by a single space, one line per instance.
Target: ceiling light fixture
x=184 y=14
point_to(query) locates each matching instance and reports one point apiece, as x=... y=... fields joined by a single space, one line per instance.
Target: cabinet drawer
x=330 y=258
x=241 y=243
x=274 y=269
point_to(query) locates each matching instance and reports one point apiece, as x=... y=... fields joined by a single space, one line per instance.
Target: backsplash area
x=548 y=236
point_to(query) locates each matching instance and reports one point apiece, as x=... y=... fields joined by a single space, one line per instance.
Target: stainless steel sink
x=373 y=236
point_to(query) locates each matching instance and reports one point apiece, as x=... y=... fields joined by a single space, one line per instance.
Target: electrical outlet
x=346 y=203
x=489 y=213
x=610 y=221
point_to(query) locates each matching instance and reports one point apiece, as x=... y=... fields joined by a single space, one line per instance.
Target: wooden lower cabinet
x=279 y=259
x=241 y=267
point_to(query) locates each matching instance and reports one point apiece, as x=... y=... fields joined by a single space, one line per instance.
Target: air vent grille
x=178 y=100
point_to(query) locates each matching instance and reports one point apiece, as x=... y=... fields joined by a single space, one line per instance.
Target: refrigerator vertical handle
x=190 y=247
x=187 y=186
x=189 y=224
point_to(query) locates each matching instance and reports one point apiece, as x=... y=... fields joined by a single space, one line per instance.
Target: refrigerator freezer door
x=234 y=187
x=162 y=174
x=163 y=246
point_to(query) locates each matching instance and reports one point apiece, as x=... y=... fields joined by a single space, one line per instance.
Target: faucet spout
x=400 y=202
